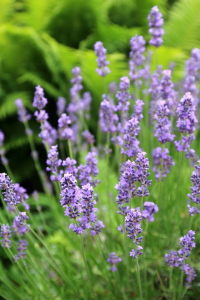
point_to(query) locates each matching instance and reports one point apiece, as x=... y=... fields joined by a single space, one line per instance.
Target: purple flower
x=177 y=258
x=19 y=224
x=136 y=58
x=88 y=137
x=88 y=171
x=61 y=103
x=70 y=166
x=108 y=117
x=41 y=116
x=70 y=192
x=133 y=225
x=186 y=114
x=39 y=101
x=135 y=253
x=186 y=122
x=54 y=163
x=22 y=113
x=190 y=274
x=1 y=138
x=150 y=209
x=162 y=162
x=65 y=131
x=77 y=82
x=21 y=249
x=48 y=134
x=113 y=260
x=100 y=51
x=9 y=193
x=6 y=235
x=130 y=142
x=155 y=24
x=123 y=95
x=138 y=109
x=21 y=192
x=195 y=190
x=163 y=124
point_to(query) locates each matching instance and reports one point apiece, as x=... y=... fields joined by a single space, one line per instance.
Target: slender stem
x=139 y=280
x=70 y=148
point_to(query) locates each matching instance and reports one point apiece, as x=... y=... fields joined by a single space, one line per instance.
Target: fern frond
x=183 y=26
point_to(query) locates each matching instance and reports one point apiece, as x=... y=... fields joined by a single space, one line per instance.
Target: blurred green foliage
x=41 y=41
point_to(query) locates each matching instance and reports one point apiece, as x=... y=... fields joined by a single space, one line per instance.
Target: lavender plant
x=102 y=225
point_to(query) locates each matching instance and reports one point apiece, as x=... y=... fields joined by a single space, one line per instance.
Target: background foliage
x=41 y=41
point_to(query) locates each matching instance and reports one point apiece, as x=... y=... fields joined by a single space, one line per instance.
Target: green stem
x=139 y=280
x=70 y=148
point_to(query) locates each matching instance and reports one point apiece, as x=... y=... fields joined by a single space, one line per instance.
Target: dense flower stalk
x=54 y=163
x=108 y=118
x=9 y=193
x=6 y=235
x=155 y=23
x=136 y=59
x=186 y=122
x=23 y=116
x=177 y=258
x=113 y=260
x=162 y=162
x=100 y=51
x=39 y=101
x=61 y=103
x=195 y=190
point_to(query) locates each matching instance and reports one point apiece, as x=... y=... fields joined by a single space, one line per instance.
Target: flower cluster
x=79 y=202
x=177 y=258
x=155 y=23
x=6 y=235
x=100 y=51
x=162 y=162
x=54 y=163
x=195 y=190
x=186 y=122
x=136 y=59
x=107 y=115
x=22 y=113
x=113 y=260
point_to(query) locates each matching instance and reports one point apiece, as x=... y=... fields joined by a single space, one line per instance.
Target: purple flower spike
x=163 y=124
x=23 y=116
x=155 y=23
x=10 y=196
x=39 y=101
x=195 y=190
x=61 y=103
x=135 y=253
x=190 y=274
x=150 y=209
x=177 y=258
x=88 y=137
x=76 y=81
x=21 y=249
x=162 y=162
x=136 y=59
x=100 y=51
x=54 y=163
x=113 y=260
x=6 y=235
x=19 y=224
x=108 y=118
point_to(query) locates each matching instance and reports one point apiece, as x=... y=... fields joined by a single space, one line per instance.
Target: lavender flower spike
x=155 y=23
x=113 y=260
x=100 y=51
x=39 y=101
x=22 y=113
x=6 y=235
